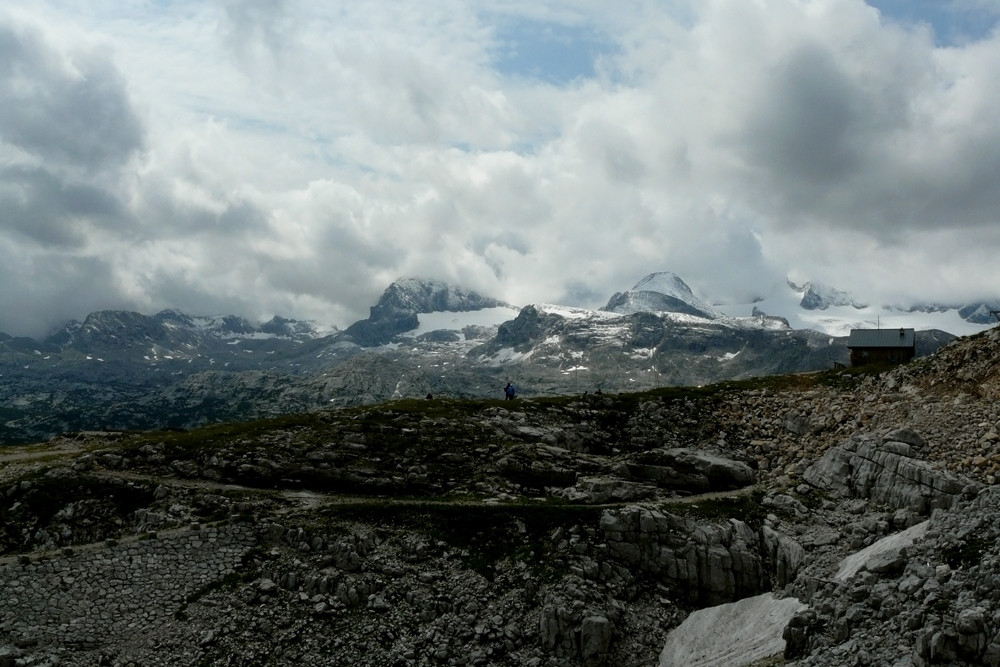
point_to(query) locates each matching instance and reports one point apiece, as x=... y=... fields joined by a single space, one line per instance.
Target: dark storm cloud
x=73 y=113
x=809 y=128
x=66 y=129
x=170 y=217
x=52 y=212
x=60 y=283
x=875 y=146
x=68 y=134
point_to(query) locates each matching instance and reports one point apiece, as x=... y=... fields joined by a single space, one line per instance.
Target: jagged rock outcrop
x=820 y=297
x=884 y=470
x=703 y=563
x=528 y=327
x=936 y=605
x=397 y=309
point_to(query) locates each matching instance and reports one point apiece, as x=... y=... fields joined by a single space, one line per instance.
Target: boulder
x=599 y=490
x=691 y=470
x=595 y=638
x=863 y=467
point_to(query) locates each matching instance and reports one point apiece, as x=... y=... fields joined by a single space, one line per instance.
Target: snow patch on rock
x=730 y=635
x=853 y=563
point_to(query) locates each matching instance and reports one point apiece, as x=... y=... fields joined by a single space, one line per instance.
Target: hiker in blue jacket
x=509 y=392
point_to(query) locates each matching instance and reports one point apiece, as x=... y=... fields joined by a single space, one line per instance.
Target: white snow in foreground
x=730 y=635
x=456 y=321
x=850 y=565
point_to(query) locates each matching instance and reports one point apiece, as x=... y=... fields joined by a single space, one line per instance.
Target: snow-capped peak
x=664 y=282
x=661 y=292
x=817 y=296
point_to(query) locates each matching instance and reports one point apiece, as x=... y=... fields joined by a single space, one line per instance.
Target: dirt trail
x=304 y=499
x=43 y=451
x=15 y=461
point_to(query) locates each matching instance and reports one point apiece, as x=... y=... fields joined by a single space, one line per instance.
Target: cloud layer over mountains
x=296 y=158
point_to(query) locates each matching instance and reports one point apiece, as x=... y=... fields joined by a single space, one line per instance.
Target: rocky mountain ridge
x=547 y=531
x=121 y=370
x=403 y=301
x=817 y=296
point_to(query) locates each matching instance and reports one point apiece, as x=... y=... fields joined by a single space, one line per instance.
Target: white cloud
x=294 y=158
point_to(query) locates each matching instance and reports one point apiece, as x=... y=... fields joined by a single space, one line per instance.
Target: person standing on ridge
x=509 y=392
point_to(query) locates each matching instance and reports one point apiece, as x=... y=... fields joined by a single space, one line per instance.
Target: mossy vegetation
x=747 y=508
x=814 y=499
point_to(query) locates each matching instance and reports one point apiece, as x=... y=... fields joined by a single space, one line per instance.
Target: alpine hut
x=881 y=346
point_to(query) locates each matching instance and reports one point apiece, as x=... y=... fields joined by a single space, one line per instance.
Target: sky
x=294 y=158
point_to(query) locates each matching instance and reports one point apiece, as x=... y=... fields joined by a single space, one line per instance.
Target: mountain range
x=126 y=370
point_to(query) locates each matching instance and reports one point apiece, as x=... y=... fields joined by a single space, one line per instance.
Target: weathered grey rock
x=784 y=554
x=991 y=656
x=551 y=626
x=907 y=436
x=892 y=561
x=864 y=468
x=704 y=562
x=783 y=501
x=9 y=656
x=689 y=469
x=797 y=423
x=972 y=638
x=600 y=490
x=797 y=633
x=595 y=638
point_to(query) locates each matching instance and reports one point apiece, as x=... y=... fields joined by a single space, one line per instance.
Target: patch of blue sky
x=557 y=54
x=255 y=125
x=954 y=22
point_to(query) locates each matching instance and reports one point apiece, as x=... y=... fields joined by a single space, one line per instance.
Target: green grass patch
x=749 y=509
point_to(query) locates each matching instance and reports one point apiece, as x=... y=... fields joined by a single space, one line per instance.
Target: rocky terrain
x=544 y=531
